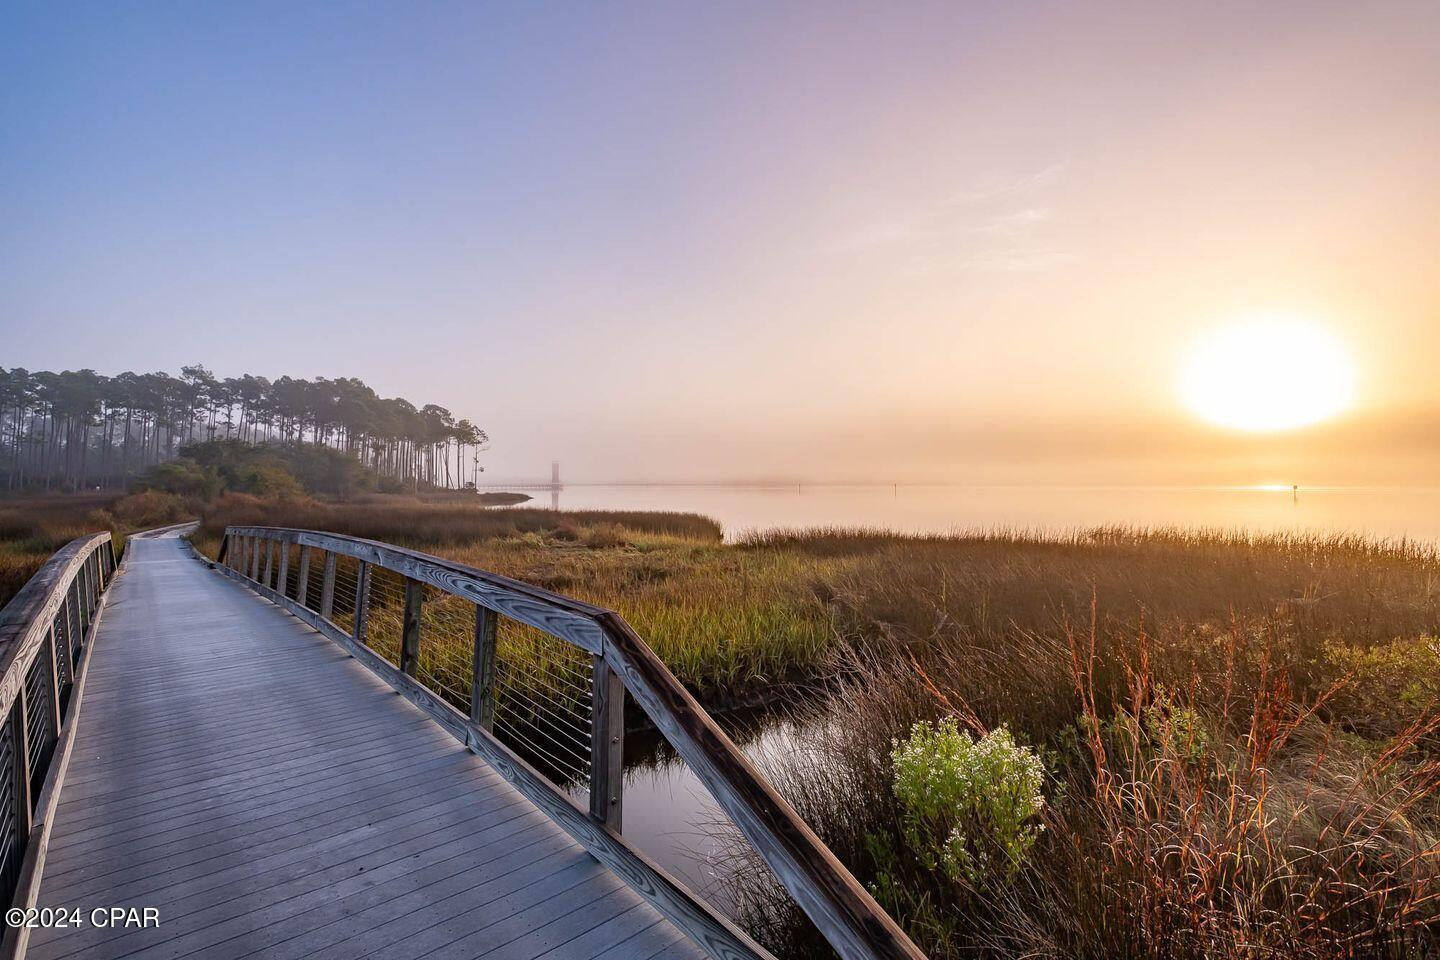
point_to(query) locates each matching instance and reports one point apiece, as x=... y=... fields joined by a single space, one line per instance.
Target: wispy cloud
x=996 y=225
x=1002 y=188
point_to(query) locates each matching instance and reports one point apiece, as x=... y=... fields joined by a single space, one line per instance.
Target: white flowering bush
x=970 y=806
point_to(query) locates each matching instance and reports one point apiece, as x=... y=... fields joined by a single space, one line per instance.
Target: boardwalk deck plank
x=273 y=798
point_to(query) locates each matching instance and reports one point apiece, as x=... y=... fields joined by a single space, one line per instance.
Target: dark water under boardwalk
x=670 y=815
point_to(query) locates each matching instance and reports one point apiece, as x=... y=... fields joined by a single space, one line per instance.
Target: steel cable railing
x=44 y=634
x=537 y=684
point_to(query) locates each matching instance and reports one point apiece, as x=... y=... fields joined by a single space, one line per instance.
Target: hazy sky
x=676 y=240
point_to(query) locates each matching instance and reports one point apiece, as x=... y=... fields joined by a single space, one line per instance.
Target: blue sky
x=681 y=240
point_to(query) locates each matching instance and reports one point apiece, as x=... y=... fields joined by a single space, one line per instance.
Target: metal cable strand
x=569 y=769
x=385 y=613
x=447 y=647
x=510 y=693
x=315 y=579
x=347 y=570
x=549 y=731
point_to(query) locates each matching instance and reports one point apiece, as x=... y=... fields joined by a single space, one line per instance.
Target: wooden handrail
x=26 y=620
x=45 y=637
x=840 y=907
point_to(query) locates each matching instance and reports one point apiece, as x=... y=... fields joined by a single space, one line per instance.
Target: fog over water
x=1385 y=512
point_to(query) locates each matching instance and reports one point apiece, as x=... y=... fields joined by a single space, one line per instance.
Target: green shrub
x=268 y=480
x=183 y=477
x=1176 y=729
x=1383 y=687
x=969 y=805
x=150 y=508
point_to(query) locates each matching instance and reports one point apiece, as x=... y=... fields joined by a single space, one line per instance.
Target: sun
x=1269 y=374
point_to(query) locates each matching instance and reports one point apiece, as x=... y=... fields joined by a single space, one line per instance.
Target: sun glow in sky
x=1269 y=374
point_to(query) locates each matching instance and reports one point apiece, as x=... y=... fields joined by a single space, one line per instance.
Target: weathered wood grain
x=327 y=587
x=361 y=618
x=302 y=583
x=410 y=628
x=560 y=616
x=482 y=681
x=29 y=614
x=607 y=744
x=282 y=581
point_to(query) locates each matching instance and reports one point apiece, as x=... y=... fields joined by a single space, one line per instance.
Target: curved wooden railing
x=280 y=564
x=45 y=633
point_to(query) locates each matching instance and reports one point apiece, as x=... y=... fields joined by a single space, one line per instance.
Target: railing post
x=410 y=635
x=269 y=562
x=482 y=681
x=82 y=599
x=54 y=682
x=302 y=579
x=72 y=622
x=362 y=602
x=21 y=748
x=60 y=628
x=255 y=558
x=282 y=582
x=327 y=588
x=607 y=744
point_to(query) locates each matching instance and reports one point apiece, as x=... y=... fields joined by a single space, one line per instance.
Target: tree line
x=79 y=429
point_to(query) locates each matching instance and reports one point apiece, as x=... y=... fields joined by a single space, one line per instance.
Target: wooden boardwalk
x=272 y=797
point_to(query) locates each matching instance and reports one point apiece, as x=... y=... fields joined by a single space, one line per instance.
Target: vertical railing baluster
x=80 y=600
x=327 y=588
x=54 y=681
x=72 y=620
x=607 y=744
x=302 y=578
x=21 y=745
x=482 y=682
x=255 y=558
x=90 y=592
x=362 y=602
x=410 y=632
x=60 y=629
x=282 y=580
x=82 y=595
x=269 y=562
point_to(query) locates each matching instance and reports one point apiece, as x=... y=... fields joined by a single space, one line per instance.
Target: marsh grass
x=1241 y=736
x=736 y=627
x=1240 y=733
x=34 y=526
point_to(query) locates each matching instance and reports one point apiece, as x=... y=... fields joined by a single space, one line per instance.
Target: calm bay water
x=1389 y=512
